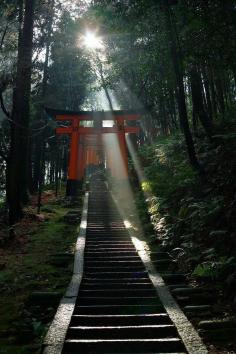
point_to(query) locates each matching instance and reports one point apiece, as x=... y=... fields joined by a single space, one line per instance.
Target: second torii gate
x=87 y=142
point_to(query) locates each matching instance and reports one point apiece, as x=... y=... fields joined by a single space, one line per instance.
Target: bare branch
x=142 y=87
x=3 y=37
x=3 y=156
x=5 y=111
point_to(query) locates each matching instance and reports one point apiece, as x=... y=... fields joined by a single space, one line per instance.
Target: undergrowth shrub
x=191 y=216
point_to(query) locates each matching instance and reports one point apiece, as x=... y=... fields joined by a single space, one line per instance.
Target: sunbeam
x=92 y=41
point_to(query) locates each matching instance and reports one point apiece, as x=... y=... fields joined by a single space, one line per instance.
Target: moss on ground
x=31 y=267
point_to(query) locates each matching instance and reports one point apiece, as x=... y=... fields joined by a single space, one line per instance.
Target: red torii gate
x=83 y=153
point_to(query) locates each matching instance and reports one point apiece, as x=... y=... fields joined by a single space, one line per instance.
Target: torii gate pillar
x=123 y=148
x=72 y=182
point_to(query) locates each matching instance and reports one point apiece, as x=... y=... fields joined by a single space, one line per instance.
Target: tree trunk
x=220 y=95
x=175 y=56
x=173 y=109
x=197 y=98
x=213 y=92
x=233 y=69
x=17 y=174
x=30 y=170
x=208 y=96
x=57 y=168
x=39 y=141
x=100 y=68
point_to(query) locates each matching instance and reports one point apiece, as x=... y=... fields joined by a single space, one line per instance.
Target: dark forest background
x=175 y=60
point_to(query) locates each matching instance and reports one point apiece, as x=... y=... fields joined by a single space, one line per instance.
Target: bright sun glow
x=91 y=41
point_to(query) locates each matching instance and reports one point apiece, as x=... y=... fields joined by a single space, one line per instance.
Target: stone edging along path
x=54 y=340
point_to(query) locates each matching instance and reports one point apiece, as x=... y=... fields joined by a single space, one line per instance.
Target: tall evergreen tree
x=17 y=169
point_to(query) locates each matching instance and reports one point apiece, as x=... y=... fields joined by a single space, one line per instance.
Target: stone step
x=96 y=243
x=110 y=246
x=121 y=332
x=117 y=292
x=101 y=256
x=115 y=263
x=106 y=239
x=106 y=233
x=118 y=309
x=107 y=300
x=113 y=232
x=141 y=280
x=115 y=275
x=105 y=217
x=108 y=242
x=107 y=230
x=104 y=248
x=112 y=286
x=120 y=320
x=102 y=228
x=111 y=252
x=116 y=268
x=101 y=213
x=124 y=346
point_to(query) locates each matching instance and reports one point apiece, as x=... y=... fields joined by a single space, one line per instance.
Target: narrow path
x=118 y=309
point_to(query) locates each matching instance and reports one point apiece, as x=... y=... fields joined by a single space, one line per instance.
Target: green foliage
x=206 y=270
x=215 y=269
x=30 y=271
x=194 y=217
x=70 y=73
x=38 y=328
x=147 y=186
x=161 y=166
